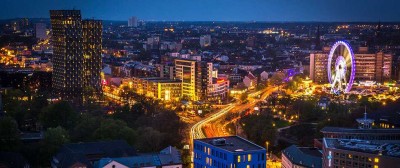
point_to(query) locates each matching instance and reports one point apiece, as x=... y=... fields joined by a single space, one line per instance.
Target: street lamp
x=267 y=144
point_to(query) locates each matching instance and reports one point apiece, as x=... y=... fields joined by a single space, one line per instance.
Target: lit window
x=376 y=160
x=238 y=159
x=249 y=158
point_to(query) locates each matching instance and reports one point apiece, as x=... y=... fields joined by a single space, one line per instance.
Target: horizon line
x=244 y=21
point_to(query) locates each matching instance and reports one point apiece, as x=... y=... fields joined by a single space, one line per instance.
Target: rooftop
x=168 y=156
x=232 y=143
x=388 y=149
x=84 y=153
x=360 y=131
x=306 y=156
x=161 y=80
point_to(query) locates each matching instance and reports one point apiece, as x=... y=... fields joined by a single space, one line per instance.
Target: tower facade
x=76 y=55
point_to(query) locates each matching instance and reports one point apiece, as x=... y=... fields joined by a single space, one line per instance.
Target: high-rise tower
x=76 y=55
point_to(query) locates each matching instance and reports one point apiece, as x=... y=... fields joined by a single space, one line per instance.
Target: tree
x=115 y=129
x=150 y=140
x=58 y=114
x=243 y=96
x=277 y=78
x=257 y=130
x=84 y=130
x=54 y=138
x=9 y=134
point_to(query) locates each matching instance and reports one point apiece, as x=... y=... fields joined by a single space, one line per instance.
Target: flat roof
x=360 y=131
x=161 y=80
x=375 y=147
x=233 y=144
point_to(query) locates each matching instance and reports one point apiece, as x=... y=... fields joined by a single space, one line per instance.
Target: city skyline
x=253 y=10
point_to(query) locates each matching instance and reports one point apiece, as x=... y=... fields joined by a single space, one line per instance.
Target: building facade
x=186 y=72
x=218 y=91
x=76 y=54
x=231 y=151
x=362 y=147
x=369 y=66
x=159 y=88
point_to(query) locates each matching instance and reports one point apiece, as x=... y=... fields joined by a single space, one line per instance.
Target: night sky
x=212 y=10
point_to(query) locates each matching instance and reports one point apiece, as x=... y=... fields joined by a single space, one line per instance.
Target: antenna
x=365 y=112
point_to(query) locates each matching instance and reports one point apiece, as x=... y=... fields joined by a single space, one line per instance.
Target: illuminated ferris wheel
x=341 y=67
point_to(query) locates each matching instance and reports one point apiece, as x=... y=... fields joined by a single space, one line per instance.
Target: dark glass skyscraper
x=76 y=55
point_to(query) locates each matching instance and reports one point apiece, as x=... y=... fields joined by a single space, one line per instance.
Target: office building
x=40 y=31
x=133 y=22
x=369 y=66
x=360 y=153
x=205 y=40
x=362 y=147
x=76 y=54
x=299 y=157
x=230 y=151
x=159 y=88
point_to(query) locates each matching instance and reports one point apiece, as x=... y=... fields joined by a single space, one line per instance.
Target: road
x=196 y=132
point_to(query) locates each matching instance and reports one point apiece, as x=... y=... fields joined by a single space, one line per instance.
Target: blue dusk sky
x=212 y=10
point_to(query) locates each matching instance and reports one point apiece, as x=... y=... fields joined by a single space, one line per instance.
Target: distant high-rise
x=76 y=55
x=40 y=30
x=133 y=22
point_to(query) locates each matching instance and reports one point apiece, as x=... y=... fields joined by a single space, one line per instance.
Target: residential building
x=167 y=71
x=369 y=66
x=87 y=154
x=230 y=151
x=195 y=77
x=250 y=81
x=76 y=58
x=301 y=157
x=203 y=79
